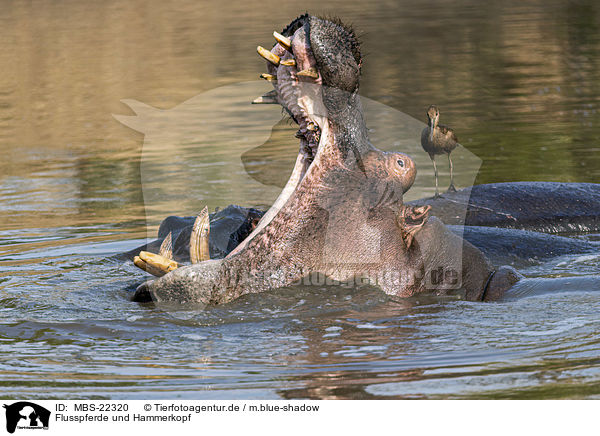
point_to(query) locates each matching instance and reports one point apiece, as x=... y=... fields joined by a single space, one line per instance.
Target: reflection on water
x=519 y=82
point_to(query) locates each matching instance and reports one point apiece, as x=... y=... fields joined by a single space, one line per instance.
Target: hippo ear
x=411 y=219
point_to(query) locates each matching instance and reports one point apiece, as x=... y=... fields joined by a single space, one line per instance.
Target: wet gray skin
x=342 y=212
x=549 y=207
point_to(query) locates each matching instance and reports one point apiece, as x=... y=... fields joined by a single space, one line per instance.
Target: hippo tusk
x=268 y=98
x=148 y=268
x=289 y=62
x=155 y=264
x=158 y=264
x=268 y=77
x=158 y=261
x=284 y=41
x=271 y=57
x=199 y=248
x=309 y=72
x=166 y=248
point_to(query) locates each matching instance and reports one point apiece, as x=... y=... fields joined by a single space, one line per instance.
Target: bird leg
x=451 y=188
x=437 y=193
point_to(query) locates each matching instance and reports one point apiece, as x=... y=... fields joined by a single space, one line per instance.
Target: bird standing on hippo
x=438 y=139
x=342 y=212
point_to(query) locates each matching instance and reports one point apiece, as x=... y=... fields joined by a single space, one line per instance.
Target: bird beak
x=434 y=123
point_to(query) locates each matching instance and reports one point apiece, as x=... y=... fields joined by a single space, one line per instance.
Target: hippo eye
x=400 y=163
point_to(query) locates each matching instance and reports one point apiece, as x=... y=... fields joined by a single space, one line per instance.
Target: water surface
x=519 y=82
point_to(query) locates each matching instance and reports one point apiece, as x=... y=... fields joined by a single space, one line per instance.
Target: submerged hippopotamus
x=342 y=212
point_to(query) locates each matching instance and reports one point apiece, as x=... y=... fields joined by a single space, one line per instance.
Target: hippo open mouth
x=341 y=209
x=299 y=80
x=314 y=68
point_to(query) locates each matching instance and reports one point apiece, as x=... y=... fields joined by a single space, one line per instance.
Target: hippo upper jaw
x=321 y=100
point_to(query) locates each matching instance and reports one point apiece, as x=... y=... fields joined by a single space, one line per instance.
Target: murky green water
x=519 y=82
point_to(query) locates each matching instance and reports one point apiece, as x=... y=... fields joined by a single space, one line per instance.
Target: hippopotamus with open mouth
x=342 y=212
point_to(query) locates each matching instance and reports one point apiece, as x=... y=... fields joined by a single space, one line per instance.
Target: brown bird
x=438 y=139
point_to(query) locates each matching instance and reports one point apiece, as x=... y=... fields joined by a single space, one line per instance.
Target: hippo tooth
x=268 y=98
x=309 y=72
x=268 y=77
x=166 y=248
x=263 y=100
x=284 y=41
x=159 y=262
x=149 y=268
x=289 y=62
x=271 y=57
x=199 y=249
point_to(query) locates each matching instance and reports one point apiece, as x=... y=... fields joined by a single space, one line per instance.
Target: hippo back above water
x=539 y=206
